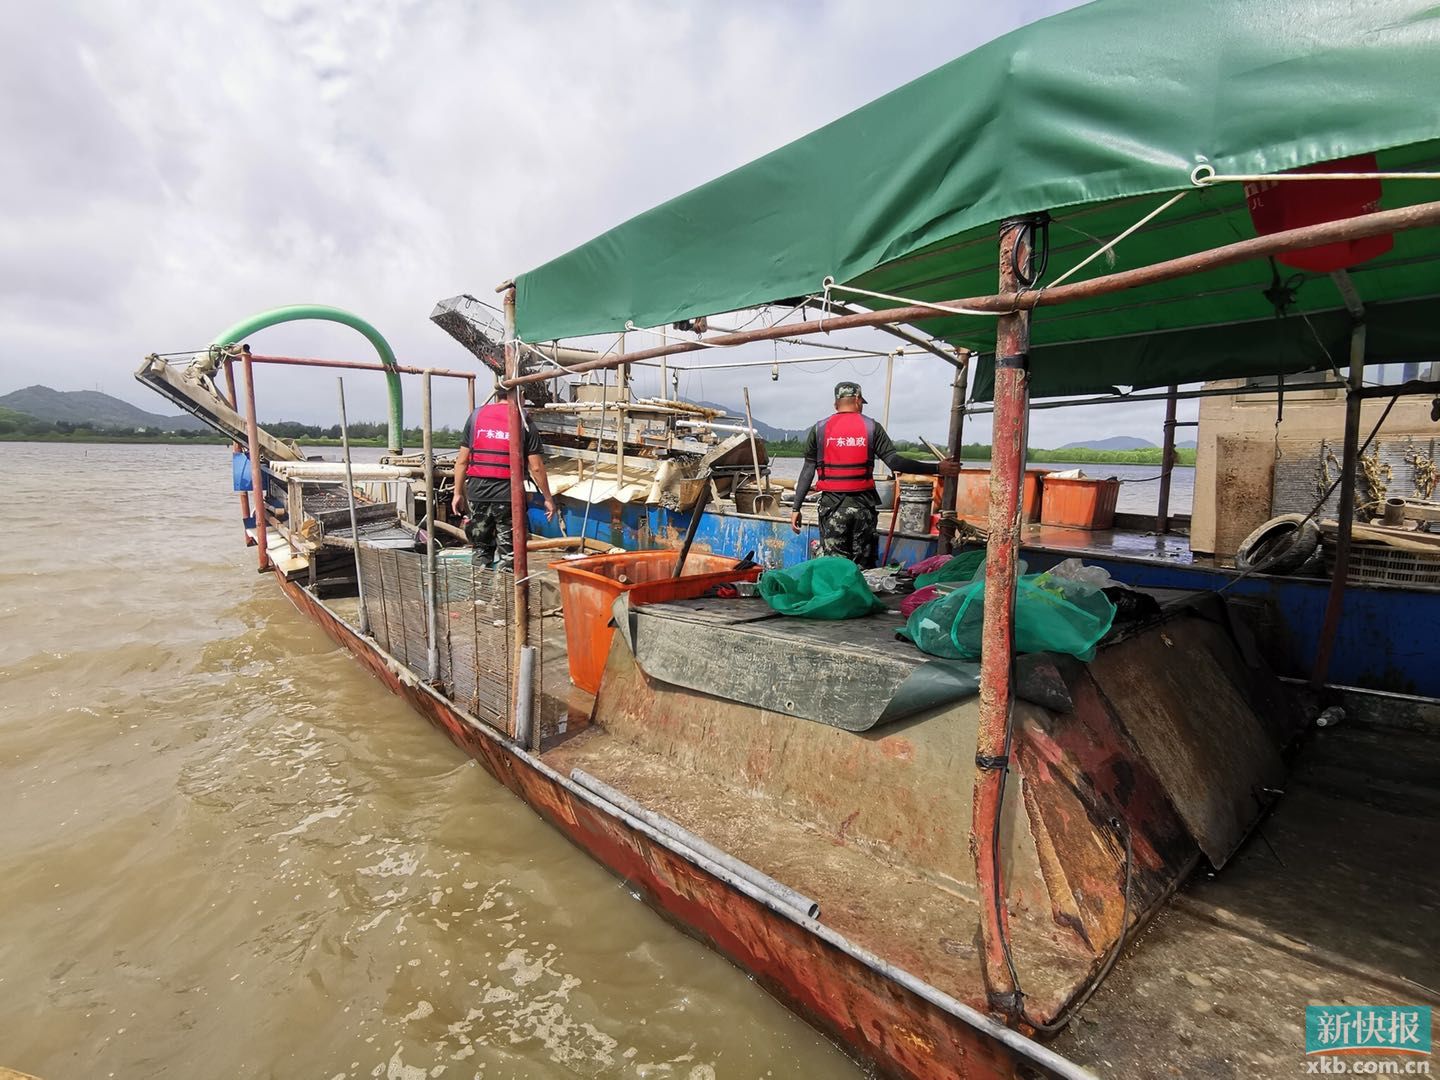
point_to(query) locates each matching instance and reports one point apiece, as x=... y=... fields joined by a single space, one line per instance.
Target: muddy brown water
x=227 y=851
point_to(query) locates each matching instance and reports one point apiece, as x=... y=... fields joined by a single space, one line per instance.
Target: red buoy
x=1278 y=205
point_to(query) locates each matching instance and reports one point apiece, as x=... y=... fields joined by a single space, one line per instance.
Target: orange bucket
x=589 y=587
x=1084 y=503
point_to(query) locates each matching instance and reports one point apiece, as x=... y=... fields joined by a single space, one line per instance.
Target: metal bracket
x=1019 y=361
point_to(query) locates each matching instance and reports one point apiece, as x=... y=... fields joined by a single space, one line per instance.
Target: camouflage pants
x=847 y=529
x=492 y=531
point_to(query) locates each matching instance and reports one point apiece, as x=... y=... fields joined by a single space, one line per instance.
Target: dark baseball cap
x=848 y=389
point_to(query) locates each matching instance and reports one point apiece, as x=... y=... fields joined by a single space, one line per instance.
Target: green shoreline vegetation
x=981 y=452
x=19 y=427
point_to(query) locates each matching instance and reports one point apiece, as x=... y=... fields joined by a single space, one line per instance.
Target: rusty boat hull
x=882 y=1016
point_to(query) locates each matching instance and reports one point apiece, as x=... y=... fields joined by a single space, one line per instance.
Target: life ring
x=1281 y=546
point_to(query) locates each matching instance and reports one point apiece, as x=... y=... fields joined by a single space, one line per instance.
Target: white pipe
x=796 y=901
x=831 y=358
x=736 y=428
x=338 y=470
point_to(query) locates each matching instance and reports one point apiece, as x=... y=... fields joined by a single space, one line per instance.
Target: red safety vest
x=844 y=460
x=490 y=442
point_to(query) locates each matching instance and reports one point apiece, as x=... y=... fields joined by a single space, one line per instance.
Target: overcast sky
x=173 y=167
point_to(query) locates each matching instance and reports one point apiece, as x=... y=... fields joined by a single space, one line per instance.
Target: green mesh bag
x=961 y=568
x=1051 y=615
x=824 y=588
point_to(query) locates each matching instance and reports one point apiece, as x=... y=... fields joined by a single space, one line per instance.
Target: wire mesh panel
x=1393 y=466
x=474 y=609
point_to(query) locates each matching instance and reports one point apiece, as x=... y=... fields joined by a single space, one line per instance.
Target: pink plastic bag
x=918 y=597
x=930 y=565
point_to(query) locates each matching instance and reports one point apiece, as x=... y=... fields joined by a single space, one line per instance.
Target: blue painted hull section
x=636 y=526
x=1386 y=641
x=1387 y=638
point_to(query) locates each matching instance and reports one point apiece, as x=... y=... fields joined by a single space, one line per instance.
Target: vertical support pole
x=950 y=486
x=1335 y=602
x=519 y=525
x=665 y=366
x=257 y=472
x=754 y=451
x=889 y=382
x=992 y=742
x=432 y=645
x=470 y=396
x=234 y=401
x=1167 y=465
x=624 y=397
x=885 y=408
x=350 y=498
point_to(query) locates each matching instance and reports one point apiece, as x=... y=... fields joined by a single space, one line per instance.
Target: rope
x=630 y=327
x=1133 y=228
x=1204 y=174
x=831 y=284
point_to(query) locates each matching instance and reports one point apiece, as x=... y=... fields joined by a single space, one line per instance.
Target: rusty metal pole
x=992 y=742
x=1167 y=465
x=1335 y=602
x=470 y=397
x=624 y=401
x=257 y=472
x=518 y=521
x=235 y=448
x=950 y=486
x=427 y=443
x=358 y=365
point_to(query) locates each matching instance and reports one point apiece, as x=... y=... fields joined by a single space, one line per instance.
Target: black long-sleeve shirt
x=880 y=447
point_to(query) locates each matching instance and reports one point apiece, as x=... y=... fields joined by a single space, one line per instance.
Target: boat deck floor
x=1113 y=543
x=1334 y=900
x=923 y=925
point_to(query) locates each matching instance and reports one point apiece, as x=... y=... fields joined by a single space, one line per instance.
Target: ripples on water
x=227 y=851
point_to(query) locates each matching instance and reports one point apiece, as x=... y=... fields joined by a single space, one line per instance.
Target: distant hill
x=93 y=409
x=1114 y=442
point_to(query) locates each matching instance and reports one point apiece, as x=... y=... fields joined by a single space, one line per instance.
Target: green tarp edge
x=1108 y=101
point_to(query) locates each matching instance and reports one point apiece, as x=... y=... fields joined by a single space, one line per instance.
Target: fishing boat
x=942 y=864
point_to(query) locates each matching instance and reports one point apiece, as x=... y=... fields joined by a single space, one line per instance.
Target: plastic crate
x=972 y=494
x=1079 y=503
x=589 y=587
x=1383 y=563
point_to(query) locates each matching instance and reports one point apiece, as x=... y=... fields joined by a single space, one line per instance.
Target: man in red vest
x=841 y=452
x=482 y=480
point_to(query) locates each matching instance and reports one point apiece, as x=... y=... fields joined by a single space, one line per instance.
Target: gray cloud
x=174 y=167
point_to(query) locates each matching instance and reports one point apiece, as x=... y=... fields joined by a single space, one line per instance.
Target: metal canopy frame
x=1012 y=305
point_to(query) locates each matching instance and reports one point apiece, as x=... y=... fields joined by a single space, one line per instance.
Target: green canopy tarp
x=1093 y=115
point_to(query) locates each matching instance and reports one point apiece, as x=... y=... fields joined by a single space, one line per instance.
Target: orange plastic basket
x=1085 y=503
x=589 y=587
x=972 y=494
